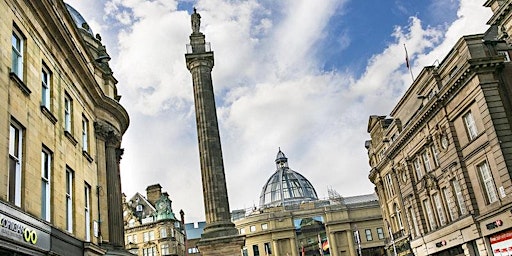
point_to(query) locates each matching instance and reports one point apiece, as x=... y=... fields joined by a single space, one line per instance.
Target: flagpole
x=407 y=63
x=392 y=239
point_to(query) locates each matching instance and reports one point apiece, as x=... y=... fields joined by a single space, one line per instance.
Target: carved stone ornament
x=107 y=132
x=430 y=182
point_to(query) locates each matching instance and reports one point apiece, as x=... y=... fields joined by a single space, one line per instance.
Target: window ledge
x=48 y=114
x=70 y=138
x=87 y=156
x=24 y=88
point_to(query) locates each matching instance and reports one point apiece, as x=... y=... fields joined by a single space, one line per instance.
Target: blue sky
x=297 y=74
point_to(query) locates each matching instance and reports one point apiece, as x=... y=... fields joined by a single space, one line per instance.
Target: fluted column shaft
x=113 y=181
x=216 y=204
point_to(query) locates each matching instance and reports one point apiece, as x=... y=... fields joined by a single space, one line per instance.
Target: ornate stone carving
x=107 y=132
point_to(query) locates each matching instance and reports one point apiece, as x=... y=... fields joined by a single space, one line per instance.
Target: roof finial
x=196 y=21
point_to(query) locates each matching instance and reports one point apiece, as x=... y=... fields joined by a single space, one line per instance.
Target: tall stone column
x=113 y=181
x=294 y=247
x=220 y=237
x=276 y=251
x=333 y=245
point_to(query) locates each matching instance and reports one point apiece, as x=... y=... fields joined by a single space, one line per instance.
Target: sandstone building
x=61 y=126
x=441 y=161
x=151 y=227
x=292 y=221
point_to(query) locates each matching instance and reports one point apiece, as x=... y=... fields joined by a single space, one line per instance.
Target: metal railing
x=206 y=47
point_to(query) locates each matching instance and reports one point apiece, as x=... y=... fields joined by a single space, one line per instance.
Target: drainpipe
x=98 y=188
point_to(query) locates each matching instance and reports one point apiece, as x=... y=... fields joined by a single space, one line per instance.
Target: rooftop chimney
x=153 y=193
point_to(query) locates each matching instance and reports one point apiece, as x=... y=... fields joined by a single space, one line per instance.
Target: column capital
x=107 y=132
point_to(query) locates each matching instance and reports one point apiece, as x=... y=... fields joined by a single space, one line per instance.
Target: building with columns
x=61 y=127
x=151 y=227
x=441 y=160
x=292 y=221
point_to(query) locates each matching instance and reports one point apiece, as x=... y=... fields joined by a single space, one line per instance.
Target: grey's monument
x=220 y=237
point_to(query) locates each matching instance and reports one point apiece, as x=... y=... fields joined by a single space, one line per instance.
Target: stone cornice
x=472 y=67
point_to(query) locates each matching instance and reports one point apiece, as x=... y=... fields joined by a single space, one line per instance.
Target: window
x=268 y=249
x=244 y=251
x=242 y=231
x=368 y=233
x=426 y=162
x=488 y=182
x=17 y=54
x=380 y=233
x=417 y=168
x=15 y=155
x=264 y=226
x=45 y=87
x=435 y=154
x=252 y=228
x=151 y=235
x=414 y=222
x=255 y=250
x=440 y=210
x=85 y=134
x=150 y=251
x=163 y=233
x=505 y=54
x=129 y=239
x=87 y=212
x=69 y=200
x=452 y=212
x=164 y=249
x=68 y=105
x=469 y=121
x=389 y=185
x=46 y=161
x=146 y=236
x=430 y=215
x=460 y=197
x=398 y=216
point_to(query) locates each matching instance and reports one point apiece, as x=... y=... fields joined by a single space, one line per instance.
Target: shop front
x=22 y=234
x=501 y=243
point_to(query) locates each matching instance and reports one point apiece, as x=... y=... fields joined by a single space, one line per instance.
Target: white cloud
x=270 y=93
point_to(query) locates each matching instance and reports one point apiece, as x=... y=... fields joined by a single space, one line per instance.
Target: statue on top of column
x=196 y=21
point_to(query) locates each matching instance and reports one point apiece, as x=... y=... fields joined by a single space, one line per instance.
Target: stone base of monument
x=221 y=246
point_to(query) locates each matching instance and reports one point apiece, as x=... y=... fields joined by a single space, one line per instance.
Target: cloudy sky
x=301 y=75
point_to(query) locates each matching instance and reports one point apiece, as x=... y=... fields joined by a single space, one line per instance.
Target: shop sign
x=441 y=244
x=21 y=232
x=494 y=224
x=501 y=243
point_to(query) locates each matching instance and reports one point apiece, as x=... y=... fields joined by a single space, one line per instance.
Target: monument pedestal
x=221 y=246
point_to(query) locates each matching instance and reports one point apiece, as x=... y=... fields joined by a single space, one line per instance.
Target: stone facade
x=61 y=129
x=441 y=161
x=319 y=227
x=151 y=227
